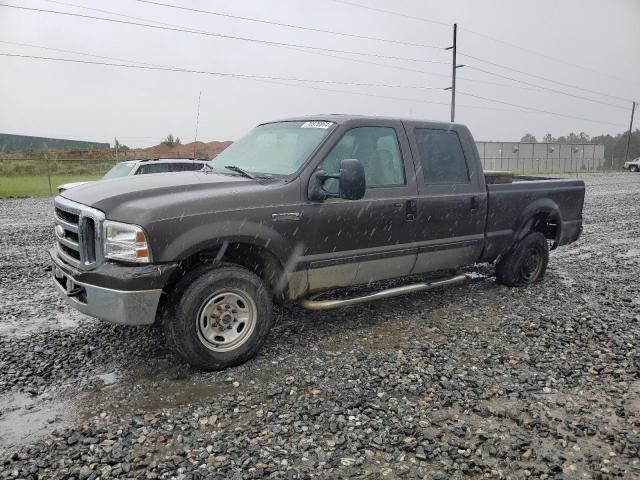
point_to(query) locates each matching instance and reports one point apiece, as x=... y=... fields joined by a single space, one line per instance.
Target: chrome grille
x=78 y=233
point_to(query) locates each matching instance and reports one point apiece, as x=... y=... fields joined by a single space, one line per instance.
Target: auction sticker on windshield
x=323 y=125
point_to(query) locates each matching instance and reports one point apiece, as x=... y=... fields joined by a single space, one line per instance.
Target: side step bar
x=389 y=293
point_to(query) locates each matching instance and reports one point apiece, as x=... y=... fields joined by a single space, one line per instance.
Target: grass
x=37 y=186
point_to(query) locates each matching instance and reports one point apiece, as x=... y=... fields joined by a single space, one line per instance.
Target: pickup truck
x=633 y=165
x=296 y=208
x=144 y=167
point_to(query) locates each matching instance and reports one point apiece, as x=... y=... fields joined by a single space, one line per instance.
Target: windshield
x=275 y=148
x=120 y=170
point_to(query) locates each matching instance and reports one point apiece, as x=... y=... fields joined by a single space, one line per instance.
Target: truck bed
x=509 y=203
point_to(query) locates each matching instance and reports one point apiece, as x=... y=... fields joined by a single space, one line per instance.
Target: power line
x=252 y=78
x=391 y=12
x=349 y=59
x=76 y=52
x=536 y=88
x=535 y=109
x=273 y=80
x=541 y=87
x=220 y=35
x=427 y=20
x=220 y=74
x=540 y=54
x=395 y=67
x=279 y=81
x=540 y=77
x=289 y=25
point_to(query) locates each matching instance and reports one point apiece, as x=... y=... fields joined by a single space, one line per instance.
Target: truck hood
x=152 y=197
x=67 y=186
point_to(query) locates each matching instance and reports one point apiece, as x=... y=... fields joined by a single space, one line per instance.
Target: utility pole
x=454 y=67
x=626 y=153
x=195 y=139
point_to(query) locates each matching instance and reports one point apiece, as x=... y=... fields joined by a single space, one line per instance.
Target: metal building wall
x=541 y=157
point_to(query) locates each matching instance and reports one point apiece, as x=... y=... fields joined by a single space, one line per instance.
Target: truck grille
x=78 y=234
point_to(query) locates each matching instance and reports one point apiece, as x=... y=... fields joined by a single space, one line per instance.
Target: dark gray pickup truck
x=295 y=208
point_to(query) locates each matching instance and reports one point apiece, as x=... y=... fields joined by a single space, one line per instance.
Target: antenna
x=195 y=139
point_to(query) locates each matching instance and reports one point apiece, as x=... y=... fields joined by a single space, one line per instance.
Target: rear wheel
x=526 y=263
x=219 y=317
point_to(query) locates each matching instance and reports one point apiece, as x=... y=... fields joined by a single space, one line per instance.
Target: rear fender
x=542 y=206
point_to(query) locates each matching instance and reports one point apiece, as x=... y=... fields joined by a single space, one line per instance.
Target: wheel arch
x=542 y=215
x=250 y=254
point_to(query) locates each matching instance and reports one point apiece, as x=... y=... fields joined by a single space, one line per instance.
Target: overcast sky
x=599 y=40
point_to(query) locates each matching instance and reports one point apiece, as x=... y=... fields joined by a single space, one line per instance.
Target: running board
x=389 y=293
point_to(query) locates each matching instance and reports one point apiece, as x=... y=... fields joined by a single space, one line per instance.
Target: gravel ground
x=474 y=381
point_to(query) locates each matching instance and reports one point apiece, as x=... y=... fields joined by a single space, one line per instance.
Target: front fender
x=211 y=235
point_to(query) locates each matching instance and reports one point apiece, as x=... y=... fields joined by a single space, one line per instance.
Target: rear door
x=452 y=200
x=358 y=241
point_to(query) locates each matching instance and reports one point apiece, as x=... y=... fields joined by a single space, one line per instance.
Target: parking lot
x=477 y=380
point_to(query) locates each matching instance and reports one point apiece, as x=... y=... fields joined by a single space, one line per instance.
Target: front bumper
x=92 y=293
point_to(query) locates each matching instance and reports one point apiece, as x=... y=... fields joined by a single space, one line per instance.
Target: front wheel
x=633 y=168
x=526 y=263
x=219 y=317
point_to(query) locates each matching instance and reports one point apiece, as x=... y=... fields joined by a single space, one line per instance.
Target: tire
x=633 y=168
x=526 y=263
x=218 y=317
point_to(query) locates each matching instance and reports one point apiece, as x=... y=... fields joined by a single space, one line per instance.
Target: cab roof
x=340 y=118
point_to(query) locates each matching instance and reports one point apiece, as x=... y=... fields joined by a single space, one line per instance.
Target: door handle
x=411 y=209
x=474 y=203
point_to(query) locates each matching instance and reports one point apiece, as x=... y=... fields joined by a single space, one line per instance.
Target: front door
x=358 y=241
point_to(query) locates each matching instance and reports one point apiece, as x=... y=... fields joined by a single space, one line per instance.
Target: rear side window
x=441 y=156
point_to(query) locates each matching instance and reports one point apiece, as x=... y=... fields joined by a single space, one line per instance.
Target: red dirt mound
x=201 y=150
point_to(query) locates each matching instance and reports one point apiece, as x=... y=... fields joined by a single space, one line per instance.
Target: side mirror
x=351 y=182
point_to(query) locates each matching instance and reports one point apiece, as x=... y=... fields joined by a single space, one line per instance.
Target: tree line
x=614 y=146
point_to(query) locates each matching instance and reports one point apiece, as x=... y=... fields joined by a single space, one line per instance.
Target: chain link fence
x=38 y=173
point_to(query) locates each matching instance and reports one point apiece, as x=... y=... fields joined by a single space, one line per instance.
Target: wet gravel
x=473 y=381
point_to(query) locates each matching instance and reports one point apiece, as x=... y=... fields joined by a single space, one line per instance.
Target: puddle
x=68 y=319
x=25 y=419
x=108 y=378
x=126 y=398
x=13 y=324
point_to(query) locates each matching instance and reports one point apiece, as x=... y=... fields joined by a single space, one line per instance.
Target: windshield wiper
x=241 y=171
x=247 y=174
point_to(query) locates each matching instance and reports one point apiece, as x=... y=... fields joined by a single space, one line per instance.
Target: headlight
x=126 y=242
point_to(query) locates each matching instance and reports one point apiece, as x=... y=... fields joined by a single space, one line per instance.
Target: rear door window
x=441 y=156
